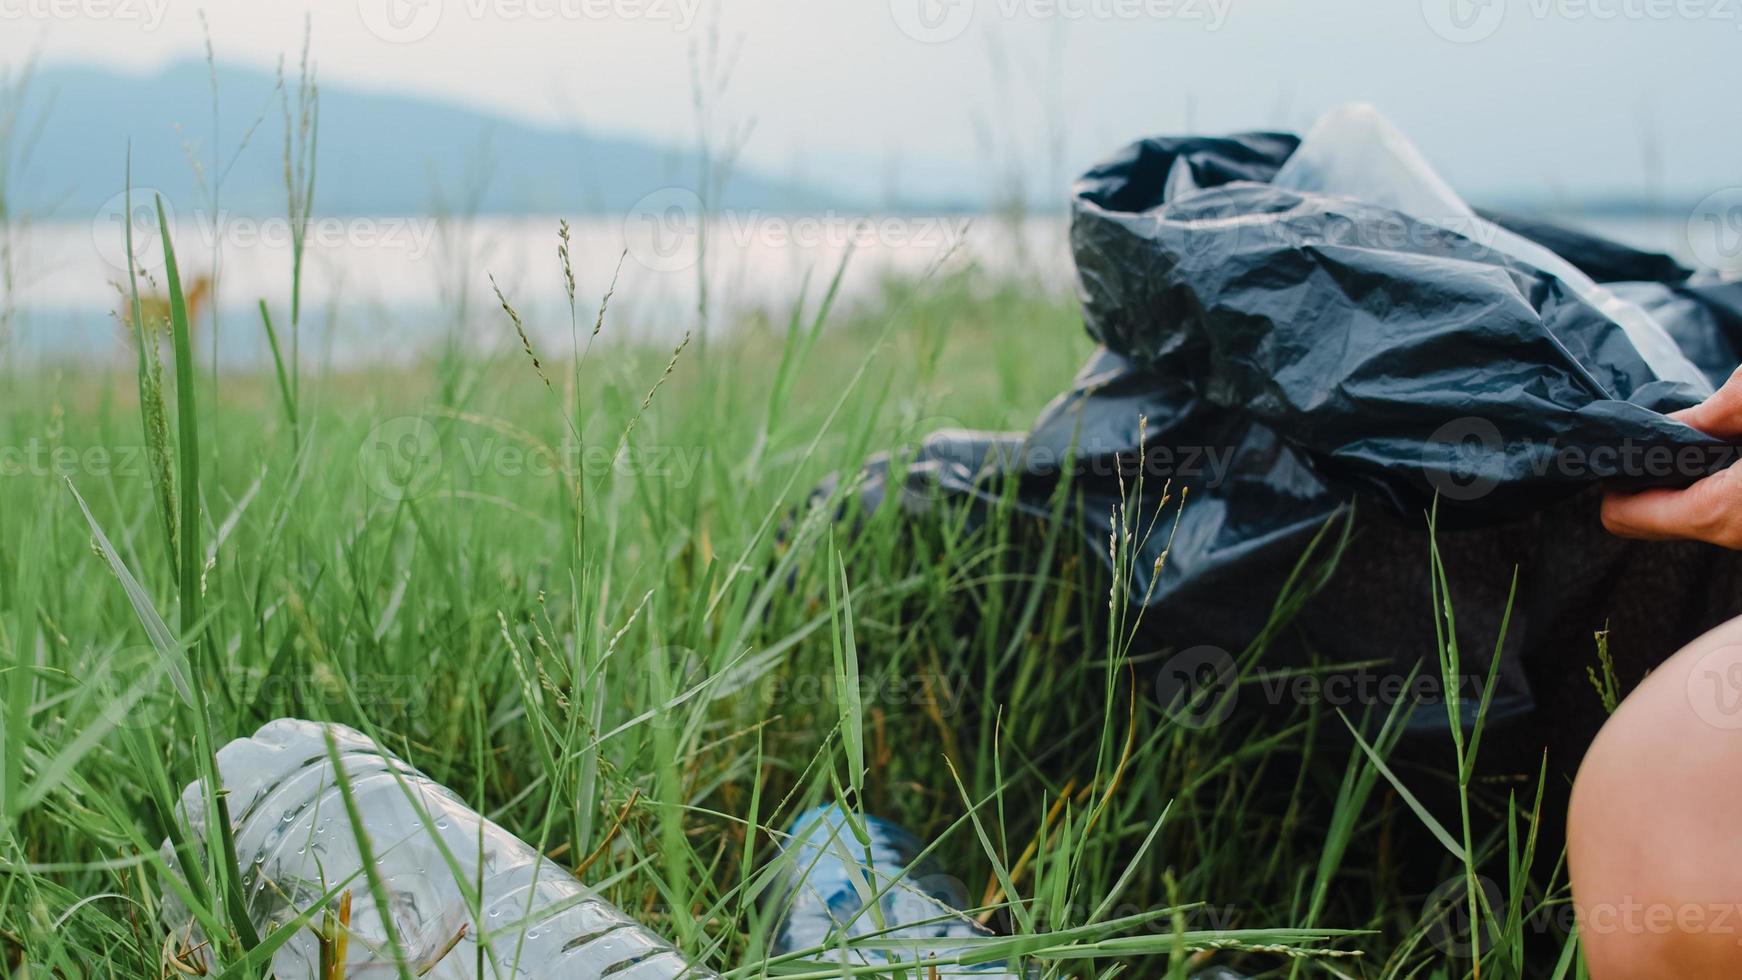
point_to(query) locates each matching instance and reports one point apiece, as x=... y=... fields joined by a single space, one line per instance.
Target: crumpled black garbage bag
x=1292 y=328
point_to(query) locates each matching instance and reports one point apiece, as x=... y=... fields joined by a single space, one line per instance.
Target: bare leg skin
x=1654 y=834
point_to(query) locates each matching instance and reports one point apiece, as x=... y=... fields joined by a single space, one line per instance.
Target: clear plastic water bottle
x=832 y=874
x=296 y=842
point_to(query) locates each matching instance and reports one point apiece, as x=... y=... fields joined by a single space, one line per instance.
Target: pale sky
x=1557 y=96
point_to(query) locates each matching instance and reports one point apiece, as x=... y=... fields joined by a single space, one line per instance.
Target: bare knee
x=1654 y=834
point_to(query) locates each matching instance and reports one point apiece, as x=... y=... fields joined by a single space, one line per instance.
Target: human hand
x=1709 y=510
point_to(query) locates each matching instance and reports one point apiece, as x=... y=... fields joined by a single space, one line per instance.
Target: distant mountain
x=378 y=153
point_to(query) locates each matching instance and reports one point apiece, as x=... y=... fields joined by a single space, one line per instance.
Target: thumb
x=1721 y=414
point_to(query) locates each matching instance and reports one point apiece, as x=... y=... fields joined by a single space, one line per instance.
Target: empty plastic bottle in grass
x=296 y=844
x=833 y=877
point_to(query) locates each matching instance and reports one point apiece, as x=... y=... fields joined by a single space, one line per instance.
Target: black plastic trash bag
x=1290 y=327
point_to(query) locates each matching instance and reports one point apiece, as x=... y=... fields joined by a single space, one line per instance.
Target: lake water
x=379 y=289
x=387 y=288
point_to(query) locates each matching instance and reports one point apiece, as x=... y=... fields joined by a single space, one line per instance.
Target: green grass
x=676 y=642
x=586 y=588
